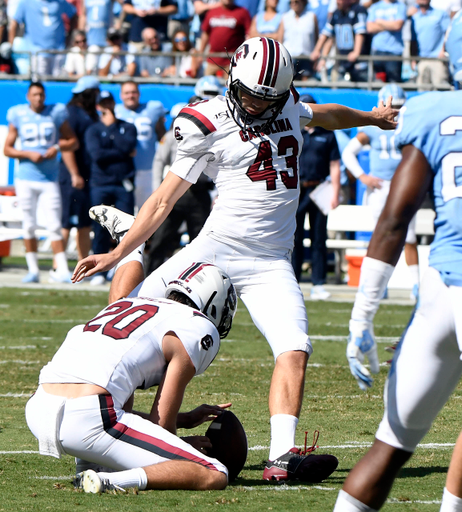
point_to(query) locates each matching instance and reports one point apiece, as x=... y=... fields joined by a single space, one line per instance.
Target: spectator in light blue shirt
x=44 y=30
x=454 y=48
x=385 y=22
x=97 y=17
x=429 y=27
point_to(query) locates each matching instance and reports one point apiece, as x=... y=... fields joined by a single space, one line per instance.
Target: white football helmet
x=208 y=87
x=260 y=67
x=397 y=93
x=211 y=290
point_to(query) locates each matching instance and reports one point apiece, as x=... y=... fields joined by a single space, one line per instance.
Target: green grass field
x=35 y=322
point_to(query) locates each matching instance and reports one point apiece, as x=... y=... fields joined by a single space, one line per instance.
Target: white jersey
x=256 y=173
x=121 y=348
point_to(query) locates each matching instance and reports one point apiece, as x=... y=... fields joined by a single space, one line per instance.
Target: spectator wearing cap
x=148 y=13
x=319 y=159
x=111 y=144
x=193 y=207
x=43 y=30
x=112 y=63
x=74 y=170
x=146 y=65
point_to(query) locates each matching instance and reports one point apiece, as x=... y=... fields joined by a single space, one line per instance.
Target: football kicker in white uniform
x=427 y=364
x=83 y=406
x=248 y=142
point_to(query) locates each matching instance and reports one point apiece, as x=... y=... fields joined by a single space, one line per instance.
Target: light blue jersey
x=383 y=156
x=144 y=118
x=388 y=41
x=38 y=132
x=99 y=15
x=432 y=123
x=44 y=26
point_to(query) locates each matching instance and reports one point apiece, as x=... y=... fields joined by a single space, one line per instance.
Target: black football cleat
x=306 y=468
x=301 y=465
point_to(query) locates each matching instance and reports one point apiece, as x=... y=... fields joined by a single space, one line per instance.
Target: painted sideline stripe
x=354 y=444
x=16 y=395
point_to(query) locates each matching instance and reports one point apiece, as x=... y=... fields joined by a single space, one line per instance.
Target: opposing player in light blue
x=384 y=159
x=427 y=365
x=150 y=125
x=43 y=131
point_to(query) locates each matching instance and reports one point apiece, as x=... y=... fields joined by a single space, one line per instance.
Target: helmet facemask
x=242 y=118
x=262 y=69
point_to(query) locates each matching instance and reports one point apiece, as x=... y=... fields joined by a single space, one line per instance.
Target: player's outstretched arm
x=150 y=217
x=407 y=191
x=332 y=116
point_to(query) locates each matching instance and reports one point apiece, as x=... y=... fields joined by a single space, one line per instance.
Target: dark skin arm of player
x=408 y=188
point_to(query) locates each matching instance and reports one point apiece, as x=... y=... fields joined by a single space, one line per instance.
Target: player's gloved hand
x=361 y=344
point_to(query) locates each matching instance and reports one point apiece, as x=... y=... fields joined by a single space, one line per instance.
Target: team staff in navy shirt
x=74 y=168
x=111 y=144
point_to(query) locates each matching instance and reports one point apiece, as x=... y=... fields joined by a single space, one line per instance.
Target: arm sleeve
x=349 y=157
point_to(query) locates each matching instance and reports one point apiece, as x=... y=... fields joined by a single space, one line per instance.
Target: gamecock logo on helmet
x=241 y=53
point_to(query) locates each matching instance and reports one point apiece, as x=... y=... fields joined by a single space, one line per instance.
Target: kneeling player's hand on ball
x=361 y=344
x=205 y=413
x=201 y=443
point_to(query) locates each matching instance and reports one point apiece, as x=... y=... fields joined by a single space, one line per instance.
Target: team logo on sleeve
x=178 y=135
x=206 y=342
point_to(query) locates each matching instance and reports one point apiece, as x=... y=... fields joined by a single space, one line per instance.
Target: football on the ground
x=229 y=442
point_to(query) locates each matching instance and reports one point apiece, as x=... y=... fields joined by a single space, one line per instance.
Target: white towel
x=44 y=413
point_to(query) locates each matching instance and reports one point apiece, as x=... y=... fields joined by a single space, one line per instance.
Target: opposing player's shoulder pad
x=229 y=442
x=15 y=112
x=417 y=117
x=156 y=109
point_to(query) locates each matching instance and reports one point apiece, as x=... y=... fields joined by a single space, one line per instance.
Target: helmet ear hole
x=213 y=312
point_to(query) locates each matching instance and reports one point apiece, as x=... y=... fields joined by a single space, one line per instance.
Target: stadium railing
x=370 y=84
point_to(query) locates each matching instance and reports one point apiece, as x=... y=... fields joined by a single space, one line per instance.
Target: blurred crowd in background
x=117 y=38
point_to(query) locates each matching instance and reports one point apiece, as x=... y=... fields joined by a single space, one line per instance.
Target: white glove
x=361 y=343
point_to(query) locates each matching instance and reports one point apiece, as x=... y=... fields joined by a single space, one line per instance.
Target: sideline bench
x=354 y=218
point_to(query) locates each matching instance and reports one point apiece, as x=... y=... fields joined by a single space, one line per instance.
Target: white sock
x=451 y=503
x=61 y=263
x=32 y=262
x=283 y=428
x=346 y=503
x=129 y=478
x=414 y=271
x=136 y=255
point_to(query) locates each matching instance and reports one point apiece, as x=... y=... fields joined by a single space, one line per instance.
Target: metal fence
x=324 y=80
